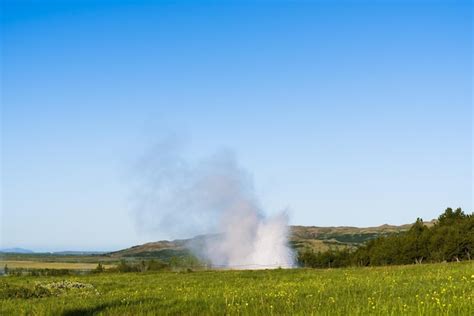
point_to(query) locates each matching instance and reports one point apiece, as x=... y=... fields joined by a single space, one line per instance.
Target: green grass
x=11 y=264
x=436 y=289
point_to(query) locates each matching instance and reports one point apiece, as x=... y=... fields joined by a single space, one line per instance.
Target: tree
x=100 y=268
x=416 y=246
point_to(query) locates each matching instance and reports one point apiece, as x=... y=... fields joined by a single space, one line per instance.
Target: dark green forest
x=451 y=238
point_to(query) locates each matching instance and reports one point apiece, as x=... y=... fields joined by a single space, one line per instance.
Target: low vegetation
x=431 y=289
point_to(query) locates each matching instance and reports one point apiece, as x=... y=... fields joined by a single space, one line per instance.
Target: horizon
x=341 y=113
x=46 y=250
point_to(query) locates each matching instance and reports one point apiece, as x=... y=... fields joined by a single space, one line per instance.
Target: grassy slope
x=420 y=290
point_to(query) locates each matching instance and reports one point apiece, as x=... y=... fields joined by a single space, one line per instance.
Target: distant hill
x=78 y=253
x=325 y=238
x=158 y=249
x=15 y=250
x=301 y=238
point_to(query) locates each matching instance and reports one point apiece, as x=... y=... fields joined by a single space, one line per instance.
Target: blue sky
x=349 y=113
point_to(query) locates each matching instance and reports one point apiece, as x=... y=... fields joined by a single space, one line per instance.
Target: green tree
x=416 y=243
x=100 y=268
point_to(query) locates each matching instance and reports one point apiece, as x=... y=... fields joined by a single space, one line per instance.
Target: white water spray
x=212 y=196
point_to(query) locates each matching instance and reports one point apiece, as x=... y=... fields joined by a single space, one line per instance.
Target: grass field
x=437 y=289
x=13 y=264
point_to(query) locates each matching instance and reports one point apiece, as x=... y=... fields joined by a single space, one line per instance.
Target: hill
x=301 y=238
x=16 y=250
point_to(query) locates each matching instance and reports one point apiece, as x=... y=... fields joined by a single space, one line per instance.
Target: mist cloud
x=211 y=196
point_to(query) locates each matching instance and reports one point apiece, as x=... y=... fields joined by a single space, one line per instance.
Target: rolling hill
x=301 y=238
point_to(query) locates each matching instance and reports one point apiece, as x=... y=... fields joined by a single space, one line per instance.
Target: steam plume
x=213 y=196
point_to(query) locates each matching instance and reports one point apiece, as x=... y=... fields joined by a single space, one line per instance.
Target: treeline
x=451 y=238
x=183 y=263
x=173 y=264
x=40 y=272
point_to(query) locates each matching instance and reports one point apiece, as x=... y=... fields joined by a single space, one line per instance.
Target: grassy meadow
x=428 y=289
x=27 y=264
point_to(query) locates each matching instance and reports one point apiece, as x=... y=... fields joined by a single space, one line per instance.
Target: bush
x=10 y=291
x=141 y=266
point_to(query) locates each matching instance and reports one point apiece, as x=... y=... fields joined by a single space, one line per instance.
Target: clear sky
x=349 y=113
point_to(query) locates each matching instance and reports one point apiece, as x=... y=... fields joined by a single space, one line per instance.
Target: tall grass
x=432 y=289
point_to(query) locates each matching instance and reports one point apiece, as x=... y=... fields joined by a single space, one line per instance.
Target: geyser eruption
x=255 y=243
x=214 y=196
